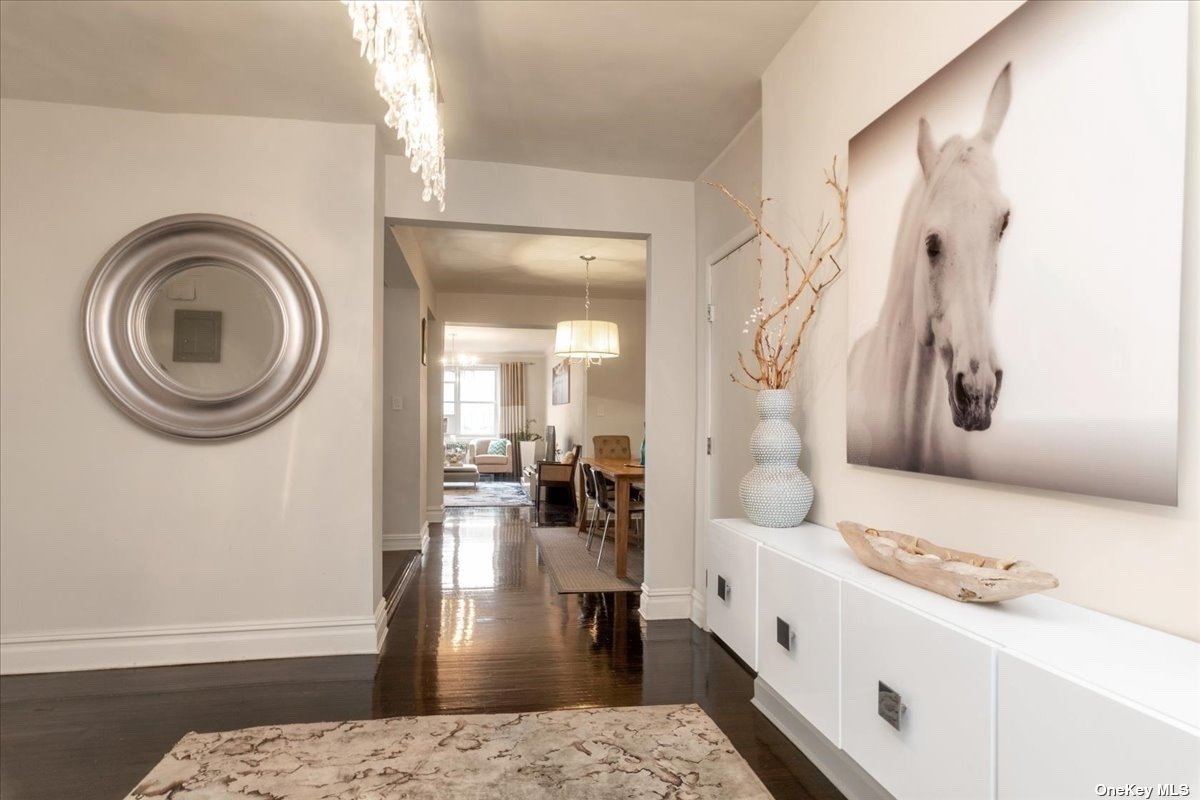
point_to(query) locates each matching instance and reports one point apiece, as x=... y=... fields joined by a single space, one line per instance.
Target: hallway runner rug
x=486 y=495
x=650 y=751
x=573 y=569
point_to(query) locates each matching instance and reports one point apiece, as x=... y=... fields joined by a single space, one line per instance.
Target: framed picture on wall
x=424 y=342
x=562 y=383
x=1016 y=249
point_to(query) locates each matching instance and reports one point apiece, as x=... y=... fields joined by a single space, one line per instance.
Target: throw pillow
x=498 y=447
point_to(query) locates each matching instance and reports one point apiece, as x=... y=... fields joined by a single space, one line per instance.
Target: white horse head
x=963 y=217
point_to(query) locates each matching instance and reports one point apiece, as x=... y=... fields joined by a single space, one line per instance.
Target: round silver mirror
x=203 y=326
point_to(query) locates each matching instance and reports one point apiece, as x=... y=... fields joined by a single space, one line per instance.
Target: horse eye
x=933 y=246
x=1004 y=222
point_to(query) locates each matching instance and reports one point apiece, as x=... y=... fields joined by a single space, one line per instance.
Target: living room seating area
x=490 y=456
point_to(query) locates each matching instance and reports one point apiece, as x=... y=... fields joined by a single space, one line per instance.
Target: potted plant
x=527 y=440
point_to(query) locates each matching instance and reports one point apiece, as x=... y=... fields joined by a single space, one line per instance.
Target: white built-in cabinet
x=798 y=626
x=1032 y=699
x=731 y=599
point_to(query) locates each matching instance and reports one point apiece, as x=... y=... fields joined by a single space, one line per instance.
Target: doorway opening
x=515 y=421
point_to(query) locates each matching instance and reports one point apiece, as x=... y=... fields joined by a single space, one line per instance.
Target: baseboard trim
x=435 y=514
x=407 y=541
x=699 y=617
x=666 y=603
x=191 y=644
x=381 y=620
x=841 y=770
x=397 y=593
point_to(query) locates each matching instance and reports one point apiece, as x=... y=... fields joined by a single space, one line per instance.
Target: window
x=471 y=401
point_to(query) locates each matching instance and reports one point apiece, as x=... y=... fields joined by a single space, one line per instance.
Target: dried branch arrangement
x=779 y=327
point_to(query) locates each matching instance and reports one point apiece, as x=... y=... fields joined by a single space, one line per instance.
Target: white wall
x=410 y=269
x=379 y=241
x=435 y=457
x=510 y=195
x=609 y=398
x=119 y=546
x=570 y=418
x=739 y=169
x=537 y=389
x=718 y=221
x=404 y=431
x=846 y=65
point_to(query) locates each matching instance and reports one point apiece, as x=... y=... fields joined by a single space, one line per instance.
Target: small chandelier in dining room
x=456 y=359
x=394 y=39
x=587 y=341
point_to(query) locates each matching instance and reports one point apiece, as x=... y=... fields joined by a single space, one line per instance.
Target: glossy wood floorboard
x=479 y=630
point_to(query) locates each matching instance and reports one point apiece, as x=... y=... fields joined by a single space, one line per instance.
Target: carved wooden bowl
x=959 y=575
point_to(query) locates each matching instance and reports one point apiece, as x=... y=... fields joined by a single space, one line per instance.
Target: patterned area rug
x=573 y=568
x=652 y=751
x=489 y=494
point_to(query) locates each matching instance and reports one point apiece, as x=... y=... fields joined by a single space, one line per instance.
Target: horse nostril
x=960 y=391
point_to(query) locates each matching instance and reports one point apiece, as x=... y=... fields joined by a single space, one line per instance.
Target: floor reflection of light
x=471 y=562
x=458 y=619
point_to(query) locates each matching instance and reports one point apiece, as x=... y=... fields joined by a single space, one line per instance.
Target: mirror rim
x=118 y=298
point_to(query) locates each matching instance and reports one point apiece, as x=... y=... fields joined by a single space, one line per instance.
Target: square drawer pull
x=724 y=588
x=784 y=634
x=890 y=706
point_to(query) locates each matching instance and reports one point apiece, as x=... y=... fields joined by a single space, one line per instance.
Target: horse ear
x=926 y=151
x=997 y=105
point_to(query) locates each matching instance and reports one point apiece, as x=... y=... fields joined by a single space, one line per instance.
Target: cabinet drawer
x=798 y=647
x=936 y=683
x=730 y=596
x=1059 y=740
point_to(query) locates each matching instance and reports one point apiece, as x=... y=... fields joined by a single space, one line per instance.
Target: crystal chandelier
x=586 y=341
x=455 y=359
x=393 y=37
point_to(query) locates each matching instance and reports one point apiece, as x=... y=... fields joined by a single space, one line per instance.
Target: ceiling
x=503 y=262
x=480 y=340
x=653 y=88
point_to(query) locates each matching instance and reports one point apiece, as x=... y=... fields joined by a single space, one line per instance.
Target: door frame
x=704 y=368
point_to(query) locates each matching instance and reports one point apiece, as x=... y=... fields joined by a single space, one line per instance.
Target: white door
x=733 y=286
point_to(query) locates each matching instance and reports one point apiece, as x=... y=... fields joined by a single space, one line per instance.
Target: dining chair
x=605 y=503
x=612 y=447
x=589 y=494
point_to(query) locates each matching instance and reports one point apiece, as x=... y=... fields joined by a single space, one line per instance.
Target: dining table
x=624 y=474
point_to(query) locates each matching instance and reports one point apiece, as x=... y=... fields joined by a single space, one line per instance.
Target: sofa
x=477 y=454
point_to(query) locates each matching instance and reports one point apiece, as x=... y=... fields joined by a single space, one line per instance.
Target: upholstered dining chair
x=616 y=447
x=612 y=447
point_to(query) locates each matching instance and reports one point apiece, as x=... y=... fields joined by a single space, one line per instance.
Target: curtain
x=512 y=408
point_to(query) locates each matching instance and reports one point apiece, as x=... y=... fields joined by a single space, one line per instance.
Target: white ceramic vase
x=775 y=494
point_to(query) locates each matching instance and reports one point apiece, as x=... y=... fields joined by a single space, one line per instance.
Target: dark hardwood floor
x=478 y=630
x=394 y=564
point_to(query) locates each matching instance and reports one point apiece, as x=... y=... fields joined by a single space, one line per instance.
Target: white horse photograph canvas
x=1015 y=255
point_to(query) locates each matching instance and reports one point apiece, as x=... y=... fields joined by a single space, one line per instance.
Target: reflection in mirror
x=214 y=330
